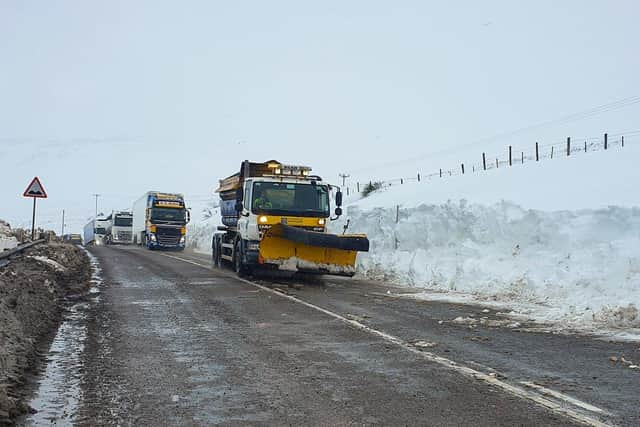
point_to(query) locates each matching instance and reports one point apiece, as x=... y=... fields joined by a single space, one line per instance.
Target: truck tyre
x=147 y=243
x=238 y=260
x=214 y=251
x=217 y=252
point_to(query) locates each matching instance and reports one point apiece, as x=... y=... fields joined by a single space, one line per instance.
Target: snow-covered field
x=555 y=242
x=7 y=241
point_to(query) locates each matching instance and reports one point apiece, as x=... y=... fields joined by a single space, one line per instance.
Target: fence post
x=522 y=156
x=418 y=177
x=585 y=146
x=568 y=145
x=484 y=162
x=510 y=158
x=358 y=186
x=347 y=191
x=496 y=163
x=605 y=140
x=473 y=168
x=537 y=155
x=440 y=172
x=552 y=151
x=397 y=213
x=623 y=140
x=462 y=164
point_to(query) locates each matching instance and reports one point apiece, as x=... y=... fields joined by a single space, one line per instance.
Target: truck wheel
x=239 y=266
x=214 y=252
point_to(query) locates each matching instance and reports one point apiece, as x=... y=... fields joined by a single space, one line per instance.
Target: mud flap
x=295 y=249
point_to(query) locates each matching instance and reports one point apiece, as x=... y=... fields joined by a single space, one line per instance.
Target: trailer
x=95 y=231
x=275 y=217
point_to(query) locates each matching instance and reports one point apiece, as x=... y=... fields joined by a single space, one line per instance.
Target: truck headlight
x=253 y=246
x=152 y=237
x=321 y=221
x=263 y=219
x=182 y=240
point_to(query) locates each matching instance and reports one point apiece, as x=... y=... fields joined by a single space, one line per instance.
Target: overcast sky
x=122 y=97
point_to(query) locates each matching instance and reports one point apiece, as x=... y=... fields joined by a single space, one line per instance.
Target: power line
x=580 y=115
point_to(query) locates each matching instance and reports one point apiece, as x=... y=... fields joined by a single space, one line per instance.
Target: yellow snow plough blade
x=295 y=249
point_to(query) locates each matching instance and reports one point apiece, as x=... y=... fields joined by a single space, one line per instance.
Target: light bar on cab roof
x=279 y=169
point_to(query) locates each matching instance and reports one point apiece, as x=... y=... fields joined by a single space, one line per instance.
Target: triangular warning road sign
x=35 y=189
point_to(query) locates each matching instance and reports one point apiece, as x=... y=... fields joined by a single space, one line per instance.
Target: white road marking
x=560 y=407
x=562 y=396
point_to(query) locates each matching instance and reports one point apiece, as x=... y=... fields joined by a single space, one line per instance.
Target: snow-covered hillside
x=557 y=241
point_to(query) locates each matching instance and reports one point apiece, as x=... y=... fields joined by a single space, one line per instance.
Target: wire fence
x=510 y=157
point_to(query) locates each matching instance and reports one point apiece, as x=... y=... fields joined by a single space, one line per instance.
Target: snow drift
x=557 y=241
x=579 y=267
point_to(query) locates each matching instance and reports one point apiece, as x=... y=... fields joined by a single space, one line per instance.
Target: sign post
x=36 y=191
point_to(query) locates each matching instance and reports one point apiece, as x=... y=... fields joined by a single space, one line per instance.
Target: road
x=174 y=342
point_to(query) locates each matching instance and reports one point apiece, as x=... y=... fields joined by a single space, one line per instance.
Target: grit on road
x=175 y=342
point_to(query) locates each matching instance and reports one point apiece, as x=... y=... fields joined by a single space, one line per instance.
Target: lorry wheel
x=214 y=252
x=238 y=264
x=218 y=251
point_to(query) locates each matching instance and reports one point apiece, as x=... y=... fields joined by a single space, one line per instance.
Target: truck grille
x=168 y=236
x=124 y=236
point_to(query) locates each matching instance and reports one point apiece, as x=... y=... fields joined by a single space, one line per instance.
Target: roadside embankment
x=32 y=289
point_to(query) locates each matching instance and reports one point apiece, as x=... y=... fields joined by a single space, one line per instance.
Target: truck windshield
x=101 y=230
x=167 y=214
x=122 y=222
x=280 y=198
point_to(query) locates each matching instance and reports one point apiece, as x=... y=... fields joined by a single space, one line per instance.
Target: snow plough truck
x=275 y=217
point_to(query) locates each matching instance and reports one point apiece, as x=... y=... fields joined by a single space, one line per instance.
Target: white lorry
x=95 y=232
x=119 y=225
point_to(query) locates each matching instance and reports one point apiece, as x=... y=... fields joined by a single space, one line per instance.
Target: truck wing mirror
x=188 y=215
x=339 y=198
x=338 y=211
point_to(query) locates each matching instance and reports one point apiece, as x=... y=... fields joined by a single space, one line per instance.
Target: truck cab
x=160 y=221
x=119 y=228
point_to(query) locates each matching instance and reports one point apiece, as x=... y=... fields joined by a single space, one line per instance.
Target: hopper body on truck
x=275 y=217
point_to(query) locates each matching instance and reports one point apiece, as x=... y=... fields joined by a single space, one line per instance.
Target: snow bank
x=557 y=241
x=7 y=241
x=581 y=267
x=203 y=225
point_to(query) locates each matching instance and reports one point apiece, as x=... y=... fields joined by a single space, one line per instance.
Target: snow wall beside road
x=555 y=241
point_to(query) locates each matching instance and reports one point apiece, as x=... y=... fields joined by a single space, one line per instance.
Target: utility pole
x=62 y=233
x=343 y=176
x=96 y=196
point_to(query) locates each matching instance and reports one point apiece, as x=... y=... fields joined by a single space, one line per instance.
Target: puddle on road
x=58 y=395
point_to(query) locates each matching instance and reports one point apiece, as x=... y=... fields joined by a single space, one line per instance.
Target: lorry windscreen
x=122 y=222
x=167 y=214
x=101 y=230
x=281 y=198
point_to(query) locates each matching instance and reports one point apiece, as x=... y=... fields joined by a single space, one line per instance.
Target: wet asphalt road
x=174 y=343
